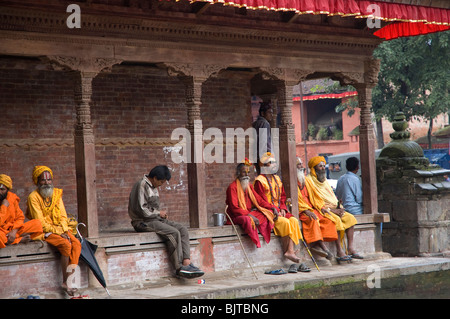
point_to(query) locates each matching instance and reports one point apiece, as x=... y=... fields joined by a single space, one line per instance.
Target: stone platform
x=243 y=283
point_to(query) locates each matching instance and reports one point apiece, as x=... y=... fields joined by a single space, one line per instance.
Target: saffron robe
x=270 y=188
x=53 y=218
x=314 y=230
x=330 y=200
x=12 y=217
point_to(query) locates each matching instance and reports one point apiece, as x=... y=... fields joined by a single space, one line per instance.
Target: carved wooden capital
x=371 y=70
x=200 y=72
x=290 y=76
x=90 y=65
x=350 y=78
x=367 y=78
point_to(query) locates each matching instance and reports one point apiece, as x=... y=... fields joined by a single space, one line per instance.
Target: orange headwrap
x=38 y=170
x=6 y=180
x=314 y=162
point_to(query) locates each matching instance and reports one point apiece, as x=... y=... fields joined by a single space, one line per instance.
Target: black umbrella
x=88 y=250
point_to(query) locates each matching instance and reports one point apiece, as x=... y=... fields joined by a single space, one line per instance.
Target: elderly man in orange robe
x=269 y=186
x=46 y=204
x=343 y=220
x=13 y=229
x=317 y=228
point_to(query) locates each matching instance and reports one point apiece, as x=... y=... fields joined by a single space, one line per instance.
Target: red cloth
x=414 y=20
x=399 y=29
x=240 y=216
x=259 y=188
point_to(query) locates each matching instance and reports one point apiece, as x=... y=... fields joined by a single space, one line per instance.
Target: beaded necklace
x=277 y=190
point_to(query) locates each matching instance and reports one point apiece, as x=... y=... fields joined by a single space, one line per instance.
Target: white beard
x=245 y=181
x=301 y=177
x=46 y=191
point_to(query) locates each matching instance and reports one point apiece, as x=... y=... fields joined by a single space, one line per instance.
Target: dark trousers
x=175 y=236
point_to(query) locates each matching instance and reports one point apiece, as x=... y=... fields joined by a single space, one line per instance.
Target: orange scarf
x=242 y=203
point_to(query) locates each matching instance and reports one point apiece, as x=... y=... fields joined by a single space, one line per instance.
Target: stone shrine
x=415 y=195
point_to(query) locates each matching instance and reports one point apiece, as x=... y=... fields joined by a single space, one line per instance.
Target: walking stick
x=307 y=249
x=240 y=241
x=289 y=204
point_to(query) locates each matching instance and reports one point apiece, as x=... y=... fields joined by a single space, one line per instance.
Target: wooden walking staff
x=240 y=241
x=289 y=204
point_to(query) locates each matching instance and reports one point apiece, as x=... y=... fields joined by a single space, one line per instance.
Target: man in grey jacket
x=143 y=208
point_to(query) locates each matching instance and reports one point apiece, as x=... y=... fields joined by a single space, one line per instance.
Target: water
x=430 y=285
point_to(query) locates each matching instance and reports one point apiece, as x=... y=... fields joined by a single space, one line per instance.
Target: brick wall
x=38 y=116
x=134 y=110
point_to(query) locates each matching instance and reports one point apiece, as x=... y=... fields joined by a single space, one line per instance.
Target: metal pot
x=219 y=219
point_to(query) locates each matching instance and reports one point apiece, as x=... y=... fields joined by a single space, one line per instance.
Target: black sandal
x=293 y=269
x=303 y=268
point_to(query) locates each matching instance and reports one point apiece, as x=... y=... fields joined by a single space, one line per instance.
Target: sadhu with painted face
x=247 y=209
x=269 y=186
x=46 y=205
x=343 y=220
x=317 y=227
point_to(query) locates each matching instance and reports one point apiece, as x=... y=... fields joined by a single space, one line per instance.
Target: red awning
x=326 y=96
x=407 y=20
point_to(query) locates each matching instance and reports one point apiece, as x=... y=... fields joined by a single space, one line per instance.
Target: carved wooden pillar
x=287 y=142
x=84 y=71
x=195 y=167
x=85 y=154
x=367 y=140
x=193 y=76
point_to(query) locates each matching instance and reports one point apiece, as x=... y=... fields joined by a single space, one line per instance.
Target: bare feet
x=25 y=238
x=292 y=257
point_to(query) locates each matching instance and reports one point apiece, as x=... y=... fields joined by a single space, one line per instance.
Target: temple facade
x=95 y=89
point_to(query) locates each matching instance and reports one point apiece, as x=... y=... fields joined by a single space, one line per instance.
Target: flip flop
x=275 y=272
x=303 y=268
x=344 y=258
x=356 y=256
x=293 y=269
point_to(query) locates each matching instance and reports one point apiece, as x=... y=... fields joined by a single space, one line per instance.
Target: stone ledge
x=128 y=241
x=27 y=253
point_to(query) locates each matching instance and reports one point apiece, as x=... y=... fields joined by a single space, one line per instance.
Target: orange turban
x=38 y=170
x=314 y=162
x=6 y=180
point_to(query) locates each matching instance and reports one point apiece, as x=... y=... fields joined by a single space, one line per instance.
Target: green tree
x=414 y=78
